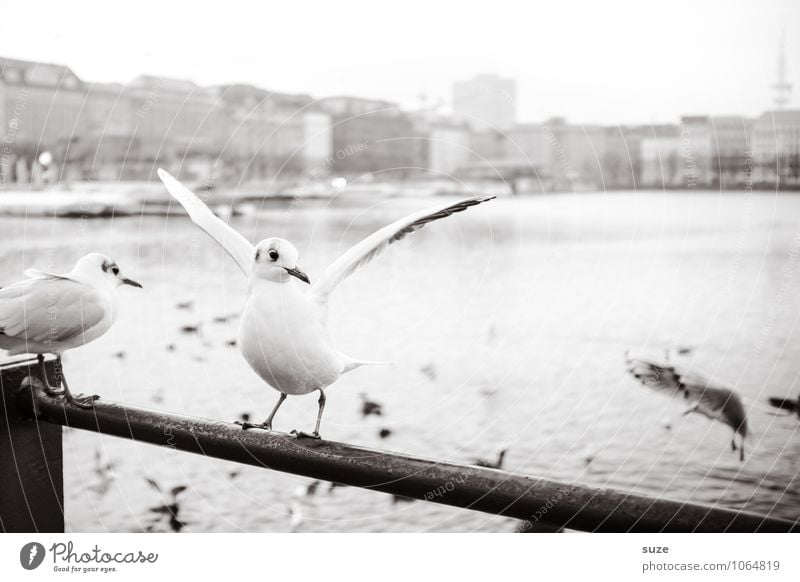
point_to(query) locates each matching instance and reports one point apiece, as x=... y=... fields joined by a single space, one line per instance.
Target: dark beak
x=131 y=282
x=299 y=274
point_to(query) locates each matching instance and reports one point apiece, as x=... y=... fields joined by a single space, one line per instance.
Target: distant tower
x=782 y=88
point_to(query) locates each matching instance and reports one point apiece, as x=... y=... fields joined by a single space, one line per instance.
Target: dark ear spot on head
x=106 y=266
x=258 y=255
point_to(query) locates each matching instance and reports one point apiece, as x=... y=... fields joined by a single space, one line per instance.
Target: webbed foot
x=249 y=425
x=82 y=401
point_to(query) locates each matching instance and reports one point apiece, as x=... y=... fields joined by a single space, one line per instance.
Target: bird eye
x=115 y=270
x=273 y=254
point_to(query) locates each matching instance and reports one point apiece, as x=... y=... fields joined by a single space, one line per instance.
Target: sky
x=592 y=62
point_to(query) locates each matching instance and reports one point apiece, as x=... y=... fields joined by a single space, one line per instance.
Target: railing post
x=31 y=467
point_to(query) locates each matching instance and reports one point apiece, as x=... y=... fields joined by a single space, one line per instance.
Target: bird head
x=276 y=260
x=96 y=266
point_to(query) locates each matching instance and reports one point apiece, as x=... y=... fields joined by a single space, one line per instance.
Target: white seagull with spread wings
x=283 y=332
x=50 y=314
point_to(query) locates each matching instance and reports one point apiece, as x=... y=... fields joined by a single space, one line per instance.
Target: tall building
x=571 y=155
x=660 y=156
x=731 y=150
x=39 y=108
x=371 y=137
x=486 y=102
x=621 y=162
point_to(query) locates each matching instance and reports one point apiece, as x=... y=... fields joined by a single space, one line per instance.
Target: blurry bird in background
x=104 y=474
x=167 y=513
x=786 y=404
x=369 y=407
x=704 y=396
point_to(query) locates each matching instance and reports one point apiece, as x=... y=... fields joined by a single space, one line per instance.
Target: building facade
x=372 y=138
x=776 y=148
x=486 y=102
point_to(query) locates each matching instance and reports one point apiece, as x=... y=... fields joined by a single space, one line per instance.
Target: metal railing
x=31 y=482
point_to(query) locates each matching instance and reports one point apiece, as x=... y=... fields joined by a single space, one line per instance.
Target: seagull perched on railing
x=283 y=331
x=703 y=395
x=50 y=314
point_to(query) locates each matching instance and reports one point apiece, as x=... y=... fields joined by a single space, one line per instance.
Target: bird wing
x=234 y=243
x=33 y=273
x=657 y=376
x=671 y=380
x=49 y=310
x=363 y=252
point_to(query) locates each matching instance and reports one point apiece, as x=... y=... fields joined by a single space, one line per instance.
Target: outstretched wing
x=234 y=243
x=367 y=249
x=679 y=382
x=658 y=376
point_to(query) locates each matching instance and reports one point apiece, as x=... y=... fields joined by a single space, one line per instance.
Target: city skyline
x=620 y=69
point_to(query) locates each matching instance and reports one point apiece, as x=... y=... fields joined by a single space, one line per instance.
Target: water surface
x=507 y=327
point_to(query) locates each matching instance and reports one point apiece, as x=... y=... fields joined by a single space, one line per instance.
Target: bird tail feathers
x=352 y=364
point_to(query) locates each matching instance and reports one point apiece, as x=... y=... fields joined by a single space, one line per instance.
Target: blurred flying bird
x=785 y=404
x=169 y=510
x=703 y=396
x=370 y=408
x=104 y=473
x=429 y=370
x=283 y=331
x=50 y=314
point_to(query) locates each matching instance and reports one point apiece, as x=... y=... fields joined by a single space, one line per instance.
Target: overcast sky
x=608 y=62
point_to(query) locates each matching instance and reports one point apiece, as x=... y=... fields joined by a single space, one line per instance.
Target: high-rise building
x=371 y=137
x=486 y=102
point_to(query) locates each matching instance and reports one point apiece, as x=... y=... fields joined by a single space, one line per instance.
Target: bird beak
x=299 y=274
x=131 y=282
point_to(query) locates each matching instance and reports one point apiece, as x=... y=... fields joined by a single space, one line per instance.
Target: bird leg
x=48 y=389
x=81 y=401
x=315 y=434
x=740 y=448
x=267 y=424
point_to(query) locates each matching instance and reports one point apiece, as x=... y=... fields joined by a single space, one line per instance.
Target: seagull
x=50 y=314
x=704 y=396
x=368 y=407
x=283 y=332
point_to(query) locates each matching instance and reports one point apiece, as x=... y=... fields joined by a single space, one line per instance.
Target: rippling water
x=507 y=326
